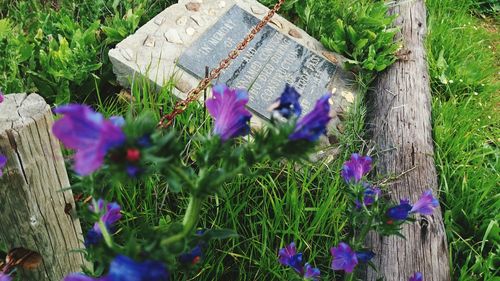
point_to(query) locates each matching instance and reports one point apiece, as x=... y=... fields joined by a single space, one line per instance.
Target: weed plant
x=463 y=65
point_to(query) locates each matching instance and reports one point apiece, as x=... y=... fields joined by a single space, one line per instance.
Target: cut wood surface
x=32 y=208
x=399 y=124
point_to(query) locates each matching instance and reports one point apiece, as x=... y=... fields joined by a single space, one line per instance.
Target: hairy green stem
x=189 y=222
x=359 y=240
x=364 y=232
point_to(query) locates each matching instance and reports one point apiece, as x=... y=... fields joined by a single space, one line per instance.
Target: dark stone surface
x=270 y=61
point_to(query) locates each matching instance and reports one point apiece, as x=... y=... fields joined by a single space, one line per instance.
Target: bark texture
x=32 y=203
x=400 y=126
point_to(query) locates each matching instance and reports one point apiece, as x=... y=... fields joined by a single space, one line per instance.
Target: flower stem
x=349 y=277
x=364 y=232
x=189 y=222
x=192 y=213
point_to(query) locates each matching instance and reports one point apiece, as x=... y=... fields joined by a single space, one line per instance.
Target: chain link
x=193 y=95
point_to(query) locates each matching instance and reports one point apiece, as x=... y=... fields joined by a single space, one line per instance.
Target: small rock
x=349 y=97
x=183 y=86
x=295 y=33
x=331 y=57
x=331 y=101
x=173 y=36
x=257 y=10
x=276 y=22
x=312 y=46
x=190 y=31
x=212 y=12
x=126 y=96
x=342 y=116
x=192 y=6
x=341 y=128
x=181 y=21
x=334 y=90
x=222 y=4
x=159 y=20
x=332 y=139
x=127 y=53
x=149 y=42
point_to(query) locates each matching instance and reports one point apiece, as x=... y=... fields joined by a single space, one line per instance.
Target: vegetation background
x=59 y=49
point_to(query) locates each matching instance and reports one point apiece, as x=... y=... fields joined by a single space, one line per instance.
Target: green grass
x=464 y=71
x=282 y=202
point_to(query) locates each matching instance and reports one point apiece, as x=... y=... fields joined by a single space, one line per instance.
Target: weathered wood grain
x=31 y=200
x=400 y=127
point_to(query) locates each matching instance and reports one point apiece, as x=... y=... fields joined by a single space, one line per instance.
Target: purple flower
x=88 y=133
x=371 y=194
x=417 y=277
x=3 y=162
x=133 y=171
x=227 y=107
x=313 y=125
x=288 y=103
x=344 y=258
x=1 y=100
x=364 y=256
x=357 y=167
x=144 y=141
x=111 y=214
x=117 y=121
x=288 y=256
x=426 y=204
x=3 y=276
x=401 y=211
x=192 y=257
x=123 y=268
x=311 y=272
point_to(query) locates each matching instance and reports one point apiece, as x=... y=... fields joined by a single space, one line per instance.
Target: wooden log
x=399 y=123
x=32 y=209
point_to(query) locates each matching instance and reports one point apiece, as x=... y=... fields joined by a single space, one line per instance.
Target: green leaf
x=5 y=28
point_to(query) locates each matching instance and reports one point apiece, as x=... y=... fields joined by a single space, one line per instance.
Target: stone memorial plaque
x=180 y=42
x=269 y=62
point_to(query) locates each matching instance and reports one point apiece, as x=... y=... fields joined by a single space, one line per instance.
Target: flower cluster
x=227 y=107
x=417 y=277
x=287 y=105
x=344 y=258
x=89 y=133
x=1 y=100
x=313 y=125
x=347 y=257
x=288 y=256
x=356 y=168
x=110 y=214
x=424 y=206
x=123 y=268
x=131 y=147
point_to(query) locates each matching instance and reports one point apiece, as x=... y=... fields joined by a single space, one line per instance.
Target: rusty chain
x=193 y=95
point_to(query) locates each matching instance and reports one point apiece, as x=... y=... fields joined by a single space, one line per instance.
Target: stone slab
x=182 y=40
x=271 y=61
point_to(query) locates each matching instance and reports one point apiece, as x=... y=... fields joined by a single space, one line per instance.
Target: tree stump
x=399 y=123
x=32 y=209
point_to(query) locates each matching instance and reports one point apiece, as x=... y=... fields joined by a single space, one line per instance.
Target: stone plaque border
x=154 y=49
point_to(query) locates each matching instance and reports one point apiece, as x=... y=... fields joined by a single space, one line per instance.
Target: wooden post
x=399 y=123
x=32 y=209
